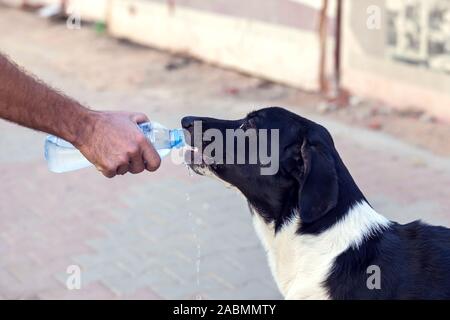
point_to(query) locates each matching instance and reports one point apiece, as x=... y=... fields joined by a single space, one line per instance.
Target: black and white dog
x=320 y=233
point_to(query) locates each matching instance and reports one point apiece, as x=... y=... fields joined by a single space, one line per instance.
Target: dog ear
x=318 y=191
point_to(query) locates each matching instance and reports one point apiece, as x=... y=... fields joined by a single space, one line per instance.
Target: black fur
x=414 y=259
x=276 y=196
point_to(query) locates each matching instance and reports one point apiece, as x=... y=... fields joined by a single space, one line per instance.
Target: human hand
x=113 y=142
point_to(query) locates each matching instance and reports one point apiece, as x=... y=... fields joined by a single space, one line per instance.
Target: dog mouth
x=199 y=162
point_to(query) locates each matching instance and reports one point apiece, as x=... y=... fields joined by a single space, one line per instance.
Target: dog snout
x=188 y=122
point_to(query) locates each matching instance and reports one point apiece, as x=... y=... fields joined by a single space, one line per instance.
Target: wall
x=405 y=61
x=275 y=39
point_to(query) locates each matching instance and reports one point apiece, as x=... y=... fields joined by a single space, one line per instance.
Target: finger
x=139 y=117
x=137 y=163
x=122 y=169
x=109 y=173
x=151 y=157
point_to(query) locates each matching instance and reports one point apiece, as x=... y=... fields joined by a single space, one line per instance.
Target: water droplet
x=199 y=253
x=190 y=171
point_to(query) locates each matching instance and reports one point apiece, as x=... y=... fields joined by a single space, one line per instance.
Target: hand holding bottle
x=113 y=143
x=118 y=142
x=110 y=140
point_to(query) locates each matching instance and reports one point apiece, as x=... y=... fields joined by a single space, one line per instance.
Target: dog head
x=308 y=174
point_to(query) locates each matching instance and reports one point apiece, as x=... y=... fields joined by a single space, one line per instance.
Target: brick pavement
x=165 y=235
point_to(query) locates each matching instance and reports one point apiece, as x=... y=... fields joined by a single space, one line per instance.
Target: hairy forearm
x=110 y=140
x=29 y=102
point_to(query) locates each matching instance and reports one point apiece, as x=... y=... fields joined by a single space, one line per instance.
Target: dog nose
x=188 y=125
x=187 y=122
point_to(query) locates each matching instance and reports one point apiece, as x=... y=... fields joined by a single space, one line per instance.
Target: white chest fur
x=301 y=263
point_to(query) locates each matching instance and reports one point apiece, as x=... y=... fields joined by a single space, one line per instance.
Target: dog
x=322 y=237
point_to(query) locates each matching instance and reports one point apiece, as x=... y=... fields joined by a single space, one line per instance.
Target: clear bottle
x=62 y=156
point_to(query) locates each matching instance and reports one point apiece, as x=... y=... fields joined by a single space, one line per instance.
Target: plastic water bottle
x=62 y=156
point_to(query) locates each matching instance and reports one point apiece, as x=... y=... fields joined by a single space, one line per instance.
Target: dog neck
x=300 y=263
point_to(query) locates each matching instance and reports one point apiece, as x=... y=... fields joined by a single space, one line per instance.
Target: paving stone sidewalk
x=165 y=235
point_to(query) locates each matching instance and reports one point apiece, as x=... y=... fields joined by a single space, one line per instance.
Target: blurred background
x=375 y=73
